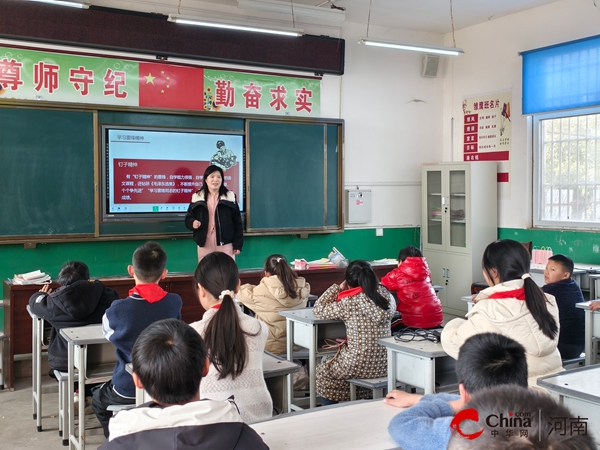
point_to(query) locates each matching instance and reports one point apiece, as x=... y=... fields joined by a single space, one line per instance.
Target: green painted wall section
x=580 y=246
x=108 y=258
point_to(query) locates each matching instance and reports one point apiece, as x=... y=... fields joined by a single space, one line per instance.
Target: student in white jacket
x=513 y=305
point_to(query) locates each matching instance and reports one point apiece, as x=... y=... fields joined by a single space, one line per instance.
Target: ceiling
x=432 y=16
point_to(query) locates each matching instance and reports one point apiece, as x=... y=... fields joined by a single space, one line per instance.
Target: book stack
x=35 y=277
x=323 y=263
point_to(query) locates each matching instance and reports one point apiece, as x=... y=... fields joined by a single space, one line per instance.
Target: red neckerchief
x=519 y=294
x=349 y=293
x=152 y=293
x=217 y=306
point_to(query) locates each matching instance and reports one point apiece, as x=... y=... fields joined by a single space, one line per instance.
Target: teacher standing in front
x=214 y=217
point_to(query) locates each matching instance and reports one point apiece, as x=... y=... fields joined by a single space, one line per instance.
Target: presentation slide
x=158 y=171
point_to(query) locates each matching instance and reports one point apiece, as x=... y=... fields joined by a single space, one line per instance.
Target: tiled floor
x=18 y=429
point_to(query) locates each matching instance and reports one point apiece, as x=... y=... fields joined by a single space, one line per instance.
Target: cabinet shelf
x=438 y=194
x=459 y=221
x=458 y=194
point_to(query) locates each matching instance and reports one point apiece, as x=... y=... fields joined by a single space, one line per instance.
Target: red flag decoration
x=167 y=86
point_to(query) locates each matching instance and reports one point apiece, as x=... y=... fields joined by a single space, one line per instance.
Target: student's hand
x=595 y=306
x=196 y=224
x=47 y=290
x=457 y=405
x=343 y=285
x=401 y=399
x=237 y=252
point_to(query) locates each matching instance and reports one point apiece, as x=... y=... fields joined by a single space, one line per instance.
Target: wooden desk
x=592 y=333
x=17 y=323
x=578 y=390
x=305 y=330
x=78 y=339
x=421 y=364
x=346 y=426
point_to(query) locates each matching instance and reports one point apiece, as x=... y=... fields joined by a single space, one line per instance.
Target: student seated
x=513 y=305
x=76 y=303
x=279 y=290
x=126 y=319
x=557 y=276
x=516 y=432
x=169 y=360
x=417 y=301
x=235 y=341
x=366 y=307
x=485 y=360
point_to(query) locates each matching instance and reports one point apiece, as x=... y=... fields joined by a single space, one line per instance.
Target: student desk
x=345 y=426
x=78 y=339
x=275 y=369
x=305 y=330
x=422 y=364
x=469 y=300
x=17 y=323
x=592 y=332
x=578 y=390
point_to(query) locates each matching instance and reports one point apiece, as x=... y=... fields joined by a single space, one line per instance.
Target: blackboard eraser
x=29 y=245
x=302 y=236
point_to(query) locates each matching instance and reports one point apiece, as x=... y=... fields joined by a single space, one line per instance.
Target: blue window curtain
x=563 y=76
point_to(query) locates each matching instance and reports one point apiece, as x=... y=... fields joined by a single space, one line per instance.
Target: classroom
x=386 y=118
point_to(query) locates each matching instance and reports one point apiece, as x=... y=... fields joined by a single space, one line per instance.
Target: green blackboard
x=293 y=176
x=46 y=172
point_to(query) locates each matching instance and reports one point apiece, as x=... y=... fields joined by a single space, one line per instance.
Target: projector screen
x=151 y=173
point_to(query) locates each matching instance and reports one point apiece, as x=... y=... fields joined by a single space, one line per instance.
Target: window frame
x=538 y=204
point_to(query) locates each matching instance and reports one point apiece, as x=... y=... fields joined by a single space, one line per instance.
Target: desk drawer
x=303 y=333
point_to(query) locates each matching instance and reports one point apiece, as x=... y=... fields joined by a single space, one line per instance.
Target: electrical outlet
x=378 y=231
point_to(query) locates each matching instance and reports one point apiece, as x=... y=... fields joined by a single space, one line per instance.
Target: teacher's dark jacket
x=228 y=220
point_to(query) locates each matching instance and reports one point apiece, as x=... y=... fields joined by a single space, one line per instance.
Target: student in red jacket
x=417 y=301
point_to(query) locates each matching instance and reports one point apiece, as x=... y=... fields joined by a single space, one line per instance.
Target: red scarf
x=152 y=293
x=349 y=293
x=217 y=306
x=519 y=294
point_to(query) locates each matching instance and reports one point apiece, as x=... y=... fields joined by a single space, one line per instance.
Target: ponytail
x=278 y=265
x=224 y=337
x=536 y=304
x=511 y=260
x=360 y=273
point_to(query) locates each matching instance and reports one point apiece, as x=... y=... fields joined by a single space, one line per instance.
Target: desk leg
x=593 y=288
x=429 y=378
x=290 y=357
x=37 y=370
x=589 y=357
x=81 y=389
x=391 y=357
x=68 y=408
x=33 y=367
x=312 y=369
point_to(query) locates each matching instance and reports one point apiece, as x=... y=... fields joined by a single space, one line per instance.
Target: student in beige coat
x=280 y=289
x=513 y=305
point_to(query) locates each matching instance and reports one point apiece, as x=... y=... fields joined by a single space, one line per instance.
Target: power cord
x=418 y=334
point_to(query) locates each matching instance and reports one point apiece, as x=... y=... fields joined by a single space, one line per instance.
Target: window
x=562 y=92
x=567 y=169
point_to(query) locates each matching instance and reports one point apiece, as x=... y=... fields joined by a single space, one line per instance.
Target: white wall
x=491 y=63
x=388 y=134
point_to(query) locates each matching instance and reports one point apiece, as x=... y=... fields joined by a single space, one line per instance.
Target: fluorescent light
x=274 y=6
x=232 y=25
x=64 y=3
x=451 y=51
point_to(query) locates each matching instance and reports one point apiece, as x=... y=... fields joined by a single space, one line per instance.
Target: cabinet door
x=436 y=262
x=433 y=199
x=456 y=210
x=460 y=278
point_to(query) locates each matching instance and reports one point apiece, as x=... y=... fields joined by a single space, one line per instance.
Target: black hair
x=225 y=339
x=220 y=144
x=277 y=265
x=169 y=358
x=360 y=273
x=149 y=262
x=511 y=260
x=210 y=170
x=409 y=252
x=491 y=359
x=566 y=262
x=73 y=271
x=505 y=411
